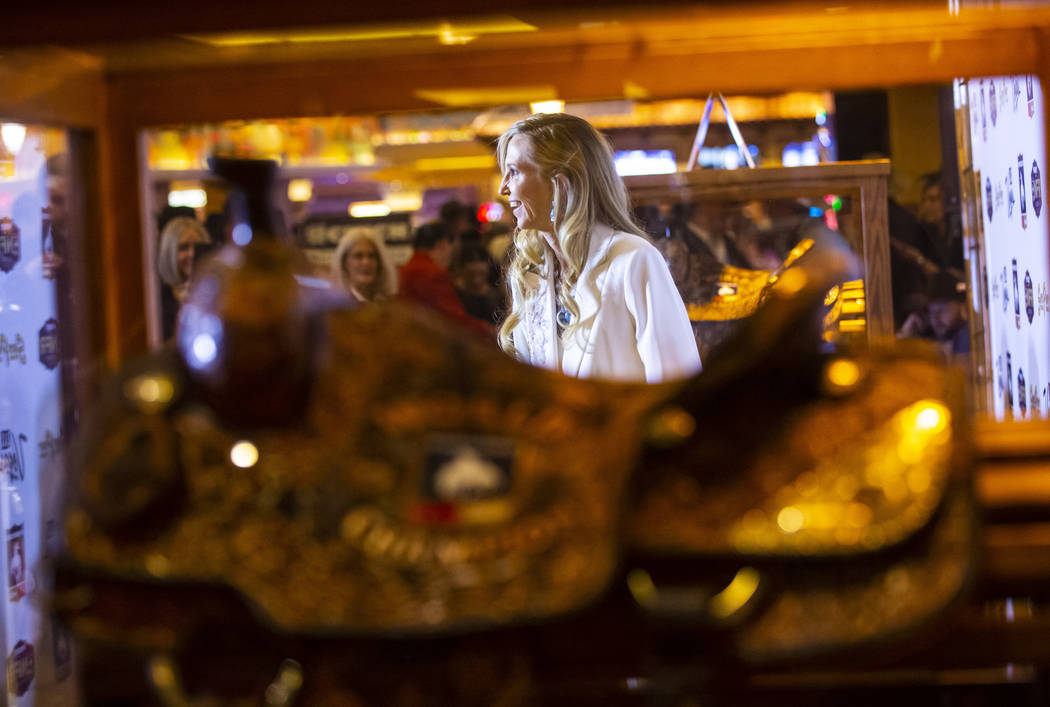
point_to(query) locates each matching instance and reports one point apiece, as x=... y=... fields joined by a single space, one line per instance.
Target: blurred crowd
x=456 y=266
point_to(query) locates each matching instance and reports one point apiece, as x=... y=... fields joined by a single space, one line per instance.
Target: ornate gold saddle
x=377 y=509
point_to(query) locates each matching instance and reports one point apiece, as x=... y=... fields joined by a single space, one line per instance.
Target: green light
x=837 y=204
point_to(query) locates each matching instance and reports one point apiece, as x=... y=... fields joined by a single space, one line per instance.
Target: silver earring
x=552 y=213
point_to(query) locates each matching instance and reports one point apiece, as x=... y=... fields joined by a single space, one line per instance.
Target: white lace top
x=634 y=326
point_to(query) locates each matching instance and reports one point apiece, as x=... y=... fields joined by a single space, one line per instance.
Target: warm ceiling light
x=449 y=36
x=369 y=209
x=490 y=95
x=300 y=190
x=405 y=200
x=446 y=32
x=13 y=135
x=637 y=162
x=553 y=106
x=194 y=198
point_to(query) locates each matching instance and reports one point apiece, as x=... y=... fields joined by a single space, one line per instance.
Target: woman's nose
x=503 y=188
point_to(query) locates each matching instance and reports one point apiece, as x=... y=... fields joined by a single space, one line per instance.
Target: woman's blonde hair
x=386 y=280
x=168 y=255
x=591 y=193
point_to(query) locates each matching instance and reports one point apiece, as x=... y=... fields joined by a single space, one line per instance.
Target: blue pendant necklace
x=564 y=316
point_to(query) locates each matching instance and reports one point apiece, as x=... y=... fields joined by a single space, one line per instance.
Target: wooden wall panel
x=580 y=71
x=51 y=86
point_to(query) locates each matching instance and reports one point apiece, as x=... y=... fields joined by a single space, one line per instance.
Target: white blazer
x=634 y=326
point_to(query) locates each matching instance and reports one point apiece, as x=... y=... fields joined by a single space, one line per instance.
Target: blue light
x=242 y=234
x=204 y=350
x=810 y=154
x=815 y=212
x=200 y=337
x=822 y=118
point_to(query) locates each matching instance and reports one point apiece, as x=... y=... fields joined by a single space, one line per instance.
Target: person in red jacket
x=425 y=279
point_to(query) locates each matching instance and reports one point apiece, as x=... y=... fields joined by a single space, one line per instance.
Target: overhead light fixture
x=369 y=209
x=405 y=200
x=638 y=162
x=450 y=36
x=552 y=106
x=487 y=95
x=194 y=198
x=458 y=32
x=300 y=190
x=13 y=135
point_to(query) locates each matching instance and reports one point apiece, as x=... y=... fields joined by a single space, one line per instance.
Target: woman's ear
x=560 y=183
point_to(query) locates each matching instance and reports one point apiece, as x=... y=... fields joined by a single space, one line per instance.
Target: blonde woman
x=362 y=266
x=179 y=243
x=591 y=296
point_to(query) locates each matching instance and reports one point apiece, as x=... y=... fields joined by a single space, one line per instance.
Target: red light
x=489 y=212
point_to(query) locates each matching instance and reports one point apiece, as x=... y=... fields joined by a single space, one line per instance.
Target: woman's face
x=530 y=195
x=362 y=266
x=187 y=242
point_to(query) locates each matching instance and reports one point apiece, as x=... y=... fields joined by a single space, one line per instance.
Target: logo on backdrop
x=12 y=455
x=1009 y=381
x=16 y=563
x=10 y=244
x=13 y=349
x=21 y=667
x=1029 y=297
x=1037 y=190
x=49 y=344
x=1017 y=298
x=1022 y=398
x=1020 y=186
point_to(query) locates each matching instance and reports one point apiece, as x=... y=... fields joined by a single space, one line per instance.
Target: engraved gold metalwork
x=746 y=286
x=850 y=473
x=320 y=533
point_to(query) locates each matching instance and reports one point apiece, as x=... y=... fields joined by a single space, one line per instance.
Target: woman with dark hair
x=471 y=269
